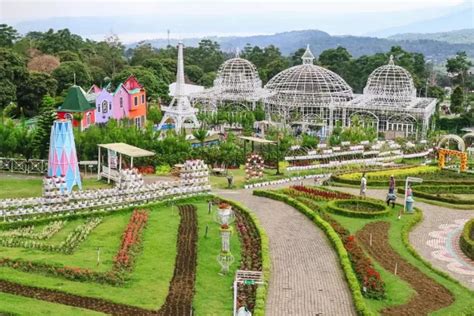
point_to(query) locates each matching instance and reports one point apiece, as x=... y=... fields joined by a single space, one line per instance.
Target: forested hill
x=288 y=42
x=464 y=36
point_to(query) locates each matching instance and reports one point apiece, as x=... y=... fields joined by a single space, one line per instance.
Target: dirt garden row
x=430 y=295
x=181 y=291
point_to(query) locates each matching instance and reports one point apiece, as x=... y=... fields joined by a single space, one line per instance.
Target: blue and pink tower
x=62 y=160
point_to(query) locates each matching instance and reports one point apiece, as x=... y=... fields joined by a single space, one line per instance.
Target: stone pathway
x=436 y=237
x=306 y=276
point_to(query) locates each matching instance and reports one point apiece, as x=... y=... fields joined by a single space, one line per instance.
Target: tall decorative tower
x=180 y=110
x=62 y=159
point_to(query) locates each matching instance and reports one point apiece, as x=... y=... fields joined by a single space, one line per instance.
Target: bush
x=358 y=208
x=466 y=241
x=420 y=191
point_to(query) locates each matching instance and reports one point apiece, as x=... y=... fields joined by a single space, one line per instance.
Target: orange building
x=137 y=101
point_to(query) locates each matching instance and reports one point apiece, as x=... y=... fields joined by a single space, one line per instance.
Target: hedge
x=354 y=285
x=436 y=197
x=466 y=241
x=262 y=290
x=336 y=208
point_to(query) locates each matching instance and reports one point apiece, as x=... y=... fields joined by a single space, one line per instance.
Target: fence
x=37 y=166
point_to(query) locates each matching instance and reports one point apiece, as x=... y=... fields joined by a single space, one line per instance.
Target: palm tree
x=200 y=135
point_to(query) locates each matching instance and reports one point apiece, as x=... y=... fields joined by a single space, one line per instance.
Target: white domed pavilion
x=307 y=95
x=237 y=84
x=389 y=104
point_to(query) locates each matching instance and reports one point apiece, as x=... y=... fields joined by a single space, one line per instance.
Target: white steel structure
x=389 y=104
x=311 y=97
x=306 y=95
x=237 y=85
x=180 y=111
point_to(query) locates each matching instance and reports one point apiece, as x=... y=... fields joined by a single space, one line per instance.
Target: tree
x=458 y=67
x=98 y=75
x=154 y=114
x=30 y=92
x=67 y=55
x=43 y=63
x=65 y=73
x=457 y=100
x=12 y=73
x=43 y=127
x=200 y=134
x=141 y=53
x=193 y=72
x=8 y=35
x=259 y=112
x=207 y=80
x=52 y=42
x=159 y=70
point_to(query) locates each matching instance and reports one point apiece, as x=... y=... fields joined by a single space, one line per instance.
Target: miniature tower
x=62 y=159
x=180 y=110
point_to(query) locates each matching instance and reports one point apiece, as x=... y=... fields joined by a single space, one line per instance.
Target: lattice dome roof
x=390 y=84
x=308 y=85
x=237 y=75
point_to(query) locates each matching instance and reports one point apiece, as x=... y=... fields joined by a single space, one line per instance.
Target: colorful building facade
x=99 y=105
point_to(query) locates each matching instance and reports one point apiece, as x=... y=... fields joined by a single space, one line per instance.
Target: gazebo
x=115 y=151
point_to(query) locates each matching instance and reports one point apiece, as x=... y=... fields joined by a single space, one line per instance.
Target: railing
x=20 y=165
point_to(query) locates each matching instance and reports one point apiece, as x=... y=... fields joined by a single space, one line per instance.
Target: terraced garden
x=159 y=259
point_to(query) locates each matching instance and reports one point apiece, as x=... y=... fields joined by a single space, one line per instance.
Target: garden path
x=436 y=237
x=306 y=276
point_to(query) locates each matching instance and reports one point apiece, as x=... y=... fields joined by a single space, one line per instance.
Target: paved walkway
x=436 y=238
x=306 y=276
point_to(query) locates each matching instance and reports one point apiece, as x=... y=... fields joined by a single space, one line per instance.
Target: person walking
x=363 y=185
x=391 y=197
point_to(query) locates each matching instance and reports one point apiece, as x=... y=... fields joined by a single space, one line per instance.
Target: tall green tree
x=65 y=73
x=43 y=127
x=457 y=100
x=30 y=92
x=52 y=42
x=459 y=66
x=8 y=35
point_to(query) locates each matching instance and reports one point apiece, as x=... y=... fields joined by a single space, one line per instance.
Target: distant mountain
x=461 y=17
x=465 y=36
x=289 y=42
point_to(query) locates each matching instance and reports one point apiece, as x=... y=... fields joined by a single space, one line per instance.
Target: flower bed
x=358 y=208
x=73 y=240
x=255 y=255
x=318 y=194
x=466 y=241
x=131 y=240
x=130 y=246
x=27 y=231
x=385 y=174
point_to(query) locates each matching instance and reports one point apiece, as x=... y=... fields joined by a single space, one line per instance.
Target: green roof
x=76 y=101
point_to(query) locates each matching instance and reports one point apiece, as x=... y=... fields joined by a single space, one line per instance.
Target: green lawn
x=213 y=291
x=18 y=186
x=149 y=282
x=18 y=305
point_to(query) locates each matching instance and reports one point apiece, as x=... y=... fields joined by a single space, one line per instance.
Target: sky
x=188 y=18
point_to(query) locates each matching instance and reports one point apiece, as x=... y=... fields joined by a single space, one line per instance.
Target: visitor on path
x=363 y=185
x=391 y=197
x=230 y=180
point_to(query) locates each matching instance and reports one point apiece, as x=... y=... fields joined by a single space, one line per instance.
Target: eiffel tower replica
x=180 y=110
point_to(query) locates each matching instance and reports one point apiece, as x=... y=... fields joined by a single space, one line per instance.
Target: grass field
x=149 y=282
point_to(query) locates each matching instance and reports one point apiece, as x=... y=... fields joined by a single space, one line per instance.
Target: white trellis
x=237 y=83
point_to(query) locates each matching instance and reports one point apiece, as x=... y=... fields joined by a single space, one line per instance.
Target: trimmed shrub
x=358 y=208
x=466 y=241
x=453 y=189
